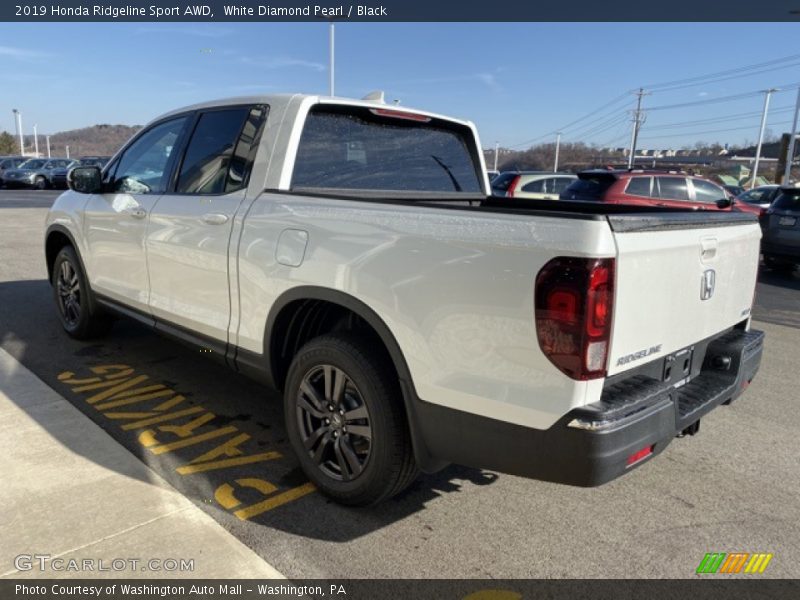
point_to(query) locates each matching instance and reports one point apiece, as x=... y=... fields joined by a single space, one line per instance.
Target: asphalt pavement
x=732 y=488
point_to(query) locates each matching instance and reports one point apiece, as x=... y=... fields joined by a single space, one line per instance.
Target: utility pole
x=332 y=61
x=36 y=139
x=496 y=150
x=767 y=94
x=47 y=139
x=558 y=147
x=18 y=115
x=637 y=123
x=787 y=172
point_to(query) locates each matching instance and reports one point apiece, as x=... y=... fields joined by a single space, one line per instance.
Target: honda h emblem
x=707 y=284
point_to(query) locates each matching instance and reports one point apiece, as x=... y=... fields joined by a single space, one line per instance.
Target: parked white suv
x=347 y=253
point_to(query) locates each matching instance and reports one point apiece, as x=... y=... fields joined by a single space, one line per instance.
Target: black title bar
x=402 y=10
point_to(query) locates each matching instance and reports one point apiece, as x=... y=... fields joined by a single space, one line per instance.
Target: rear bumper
x=592 y=445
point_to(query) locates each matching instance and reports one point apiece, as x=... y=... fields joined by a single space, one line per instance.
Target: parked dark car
x=9 y=162
x=780 y=243
x=761 y=196
x=734 y=190
x=35 y=173
x=58 y=179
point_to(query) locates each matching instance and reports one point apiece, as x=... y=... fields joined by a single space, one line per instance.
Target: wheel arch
x=282 y=321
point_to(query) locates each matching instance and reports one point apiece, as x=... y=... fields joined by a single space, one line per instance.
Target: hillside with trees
x=97 y=140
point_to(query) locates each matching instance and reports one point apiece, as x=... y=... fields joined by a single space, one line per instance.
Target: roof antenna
x=376 y=96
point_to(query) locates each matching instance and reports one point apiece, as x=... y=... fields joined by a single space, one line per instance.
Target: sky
x=519 y=82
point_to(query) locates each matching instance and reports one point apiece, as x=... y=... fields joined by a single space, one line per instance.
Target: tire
x=40 y=183
x=363 y=454
x=72 y=297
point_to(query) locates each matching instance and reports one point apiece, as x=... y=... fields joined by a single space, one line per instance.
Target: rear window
x=345 y=148
x=588 y=187
x=787 y=200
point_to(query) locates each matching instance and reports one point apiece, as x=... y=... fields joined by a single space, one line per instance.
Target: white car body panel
x=659 y=277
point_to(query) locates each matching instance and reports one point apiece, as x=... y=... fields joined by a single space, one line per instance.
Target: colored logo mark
x=736 y=562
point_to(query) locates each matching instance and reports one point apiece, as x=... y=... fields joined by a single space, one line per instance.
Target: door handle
x=136 y=213
x=215 y=218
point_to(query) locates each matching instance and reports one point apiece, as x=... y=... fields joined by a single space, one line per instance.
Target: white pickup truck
x=347 y=253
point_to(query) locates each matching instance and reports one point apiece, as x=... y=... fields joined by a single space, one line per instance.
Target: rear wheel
x=71 y=293
x=40 y=183
x=345 y=419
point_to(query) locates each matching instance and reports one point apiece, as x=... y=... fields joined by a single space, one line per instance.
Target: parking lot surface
x=732 y=488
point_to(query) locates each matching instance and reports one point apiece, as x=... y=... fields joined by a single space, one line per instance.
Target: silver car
x=537 y=185
x=35 y=173
x=9 y=162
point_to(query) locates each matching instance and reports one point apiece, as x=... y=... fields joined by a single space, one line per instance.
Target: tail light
x=574 y=301
x=513 y=187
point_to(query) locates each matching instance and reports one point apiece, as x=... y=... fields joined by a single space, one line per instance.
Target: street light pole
x=787 y=172
x=47 y=139
x=767 y=93
x=67 y=151
x=558 y=147
x=496 y=150
x=332 y=60
x=18 y=115
x=36 y=139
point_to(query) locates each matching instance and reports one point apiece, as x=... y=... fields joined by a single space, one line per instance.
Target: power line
x=733 y=117
x=701 y=78
x=671 y=135
x=575 y=122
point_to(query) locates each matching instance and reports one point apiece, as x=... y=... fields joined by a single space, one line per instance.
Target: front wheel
x=40 y=183
x=71 y=293
x=345 y=419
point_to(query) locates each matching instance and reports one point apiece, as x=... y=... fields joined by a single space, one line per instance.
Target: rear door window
x=536 y=187
x=673 y=188
x=208 y=155
x=363 y=149
x=639 y=186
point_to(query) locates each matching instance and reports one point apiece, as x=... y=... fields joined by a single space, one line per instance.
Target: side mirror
x=724 y=202
x=85 y=180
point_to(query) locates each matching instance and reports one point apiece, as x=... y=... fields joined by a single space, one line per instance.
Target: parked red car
x=651 y=188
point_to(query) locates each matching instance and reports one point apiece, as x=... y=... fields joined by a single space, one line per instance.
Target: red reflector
x=637 y=456
x=399 y=114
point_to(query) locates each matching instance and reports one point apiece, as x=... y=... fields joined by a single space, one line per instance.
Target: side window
x=639 y=186
x=559 y=184
x=208 y=154
x=534 y=186
x=144 y=167
x=673 y=188
x=705 y=191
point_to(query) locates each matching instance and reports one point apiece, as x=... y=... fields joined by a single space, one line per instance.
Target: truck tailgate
x=680 y=278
